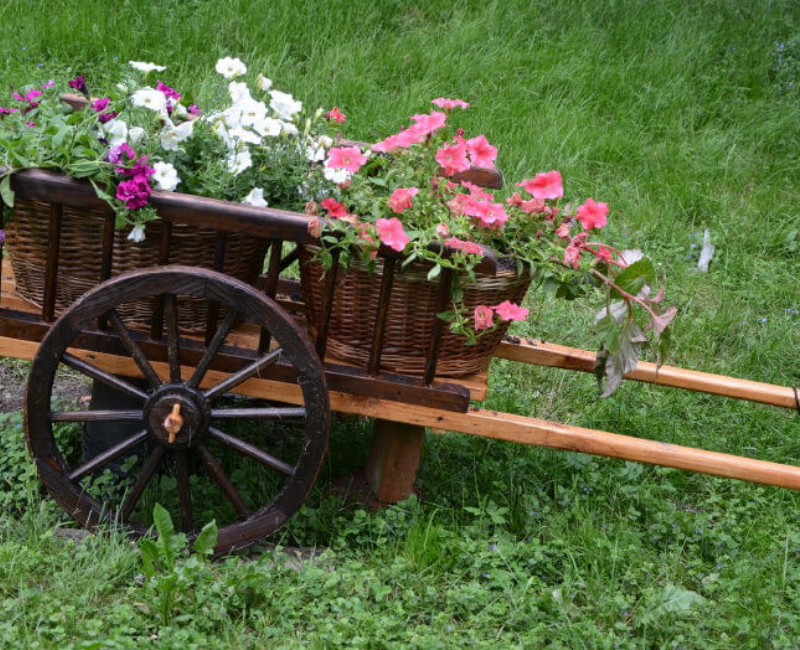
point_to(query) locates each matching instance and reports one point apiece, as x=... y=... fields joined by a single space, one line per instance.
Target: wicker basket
x=80 y=255
x=410 y=317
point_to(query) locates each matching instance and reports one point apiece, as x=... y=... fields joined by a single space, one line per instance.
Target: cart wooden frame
x=191 y=372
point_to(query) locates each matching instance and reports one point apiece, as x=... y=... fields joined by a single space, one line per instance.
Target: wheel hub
x=177 y=416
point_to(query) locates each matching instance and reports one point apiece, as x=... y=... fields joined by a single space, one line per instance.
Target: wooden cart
x=259 y=348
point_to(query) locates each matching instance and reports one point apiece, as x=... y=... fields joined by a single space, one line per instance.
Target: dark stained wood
x=400 y=388
x=387 y=279
x=243 y=375
x=491 y=178
x=289 y=259
x=150 y=466
x=157 y=326
x=133 y=349
x=104 y=458
x=218 y=474
x=184 y=489
x=212 y=349
x=438 y=325
x=51 y=269
x=327 y=304
x=272 y=413
x=220 y=244
x=107 y=257
x=173 y=337
x=94 y=416
x=100 y=375
x=271 y=286
x=253 y=452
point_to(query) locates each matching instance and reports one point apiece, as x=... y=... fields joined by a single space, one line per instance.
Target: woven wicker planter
x=411 y=315
x=80 y=255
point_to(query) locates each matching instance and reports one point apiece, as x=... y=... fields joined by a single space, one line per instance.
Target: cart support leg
x=393 y=459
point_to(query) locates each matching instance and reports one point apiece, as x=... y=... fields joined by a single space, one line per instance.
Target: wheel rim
x=181 y=416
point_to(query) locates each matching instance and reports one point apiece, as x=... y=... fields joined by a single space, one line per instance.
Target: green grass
x=679 y=115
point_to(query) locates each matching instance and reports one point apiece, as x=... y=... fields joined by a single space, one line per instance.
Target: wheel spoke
x=212 y=349
x=95 y=373
x=244 y=374
x=289 y=413
x=173 y=339
x=133 y=348
x=95 y=416
x=254 y=452
x=184 y=491
x=107 y=456
x=150 y=466
x=218 y=474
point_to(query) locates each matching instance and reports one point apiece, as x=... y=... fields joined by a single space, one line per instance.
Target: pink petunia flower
x=476 y=192
x=349 y=158
x=533 y=206
x=563 y=230
x=604 y=254
x=466 y=247
x=507 y=310
x=334 y=208
x=442 y=230
x=453 y=159
x=592 y=214
x=30 y=124
x=334 y=115
x=428 y=123
x=481 y=153
x=401 y=198
x=544 y=186
x=315 y=227
x=484 y=317
x=449 y=104
x=391 y=233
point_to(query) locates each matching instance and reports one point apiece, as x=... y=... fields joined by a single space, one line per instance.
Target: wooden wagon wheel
x=180 y=416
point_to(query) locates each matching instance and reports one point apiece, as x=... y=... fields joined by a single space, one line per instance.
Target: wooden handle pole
x=560 y=356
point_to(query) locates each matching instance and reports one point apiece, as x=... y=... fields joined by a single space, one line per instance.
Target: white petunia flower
x=165 y=176
x=337 y=176
x=262 y=83
x=268 y=127
x=173 y=135
x=179 y=110
x=230 y=68
x=116 y=132
x=284 y=104
x=239 y=91
x=238 y=161
x=316 y=149
x=240 y=134
x=147 y=67
x=252 y=111
x=150 y=98
x=256 y=198
x=135 y=134
x=137 y=234
x=289 y=128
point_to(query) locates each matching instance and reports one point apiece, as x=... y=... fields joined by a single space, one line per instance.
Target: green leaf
x=6 y=192
x=634 y=277
x=673 y=600
x=83 y=168
x=58 y=138
x=434 y=272
x=446 y=316
x=149 y=552
x=207 y=539
x=166 y=532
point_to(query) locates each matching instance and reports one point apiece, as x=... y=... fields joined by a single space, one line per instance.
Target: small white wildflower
x=141 y=66
x=262 y=83
x=230 y=68
x=284 y=104
x=337 y=176
x=165 y=176
x=256 y=198
x=238 y=161
x=136 y=234
x=150 y=98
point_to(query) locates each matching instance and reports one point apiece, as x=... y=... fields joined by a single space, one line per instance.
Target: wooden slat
x=51 y=269
x=379 y=328
x=271 y=286
x=326 y=308
x=157 y=326
x=437 y=327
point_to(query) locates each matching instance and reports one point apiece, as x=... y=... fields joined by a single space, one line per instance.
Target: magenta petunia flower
x=544 y=186
x=484 y=317
x=449 y=104
x=401 y=198
x=193 y=109
x=106 y=117
x=453 y=158
x=115 y=153
x=169 y=93
x=79 y=84
x=391 y=233
x=507 y=310
x=592 y=214
x=99 y=105
x=349 y=158
x=481 y=153
x=134 y=192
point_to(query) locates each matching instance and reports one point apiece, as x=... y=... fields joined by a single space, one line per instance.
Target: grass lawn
x=682 y=117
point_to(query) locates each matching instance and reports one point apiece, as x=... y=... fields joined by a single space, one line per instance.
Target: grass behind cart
x=681 y=116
